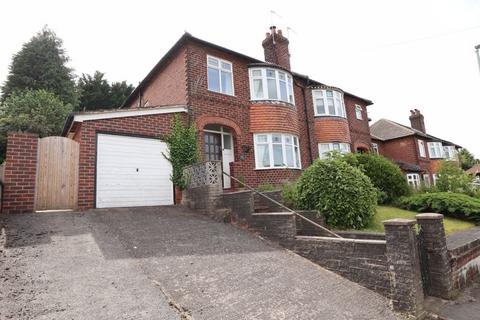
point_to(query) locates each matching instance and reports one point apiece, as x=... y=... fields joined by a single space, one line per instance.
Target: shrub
x=183 y=150
x=384 y=174
x=450 y=204
x=339 y=191
x=451 y=178
x=289 y=195
x=265 y=187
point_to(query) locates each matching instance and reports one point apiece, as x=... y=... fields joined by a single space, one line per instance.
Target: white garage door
x=132 y=172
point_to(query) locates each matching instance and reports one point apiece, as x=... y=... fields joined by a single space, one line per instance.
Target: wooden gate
x=57 y=174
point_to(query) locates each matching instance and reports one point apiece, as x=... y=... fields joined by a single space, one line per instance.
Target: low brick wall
x=362 y=261
x=203 y=198
x=304 y=228
x=278 y=226
x=240 y=204
x=465 y=263
x=267 y=205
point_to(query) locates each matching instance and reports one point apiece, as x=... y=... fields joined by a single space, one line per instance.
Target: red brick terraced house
x=262 y=120
x=418 y=153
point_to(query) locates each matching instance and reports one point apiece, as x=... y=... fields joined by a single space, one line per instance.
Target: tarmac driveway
x=162 y=263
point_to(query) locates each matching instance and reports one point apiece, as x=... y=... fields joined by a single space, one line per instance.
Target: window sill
x=329 y=116
x=277 y=168
x=225 y=94
x=274 y=102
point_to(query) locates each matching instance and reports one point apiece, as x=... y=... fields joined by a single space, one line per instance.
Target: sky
x=399 y=54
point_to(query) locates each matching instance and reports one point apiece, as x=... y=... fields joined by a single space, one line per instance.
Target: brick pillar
x=20 y=173
x=404 y=267
x=433 y=246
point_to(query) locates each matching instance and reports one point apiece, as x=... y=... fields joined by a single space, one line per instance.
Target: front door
x=219 y=146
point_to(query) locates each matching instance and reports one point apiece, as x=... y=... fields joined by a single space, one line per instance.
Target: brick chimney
x=275 y=47
x=416 y=120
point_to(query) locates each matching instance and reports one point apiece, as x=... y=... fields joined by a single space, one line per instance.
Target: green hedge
x=384 y=174
x=341 y=192
x=450 y=204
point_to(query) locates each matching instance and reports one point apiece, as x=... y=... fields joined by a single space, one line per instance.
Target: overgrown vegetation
x=384 y=174
x=451 y=178
x=448 y=203
x=183 y=150
x=339 y=191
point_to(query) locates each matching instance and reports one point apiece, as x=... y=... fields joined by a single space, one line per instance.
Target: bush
x=266 y=187
x=289 y=195
x=451 y=178
x=384 y=174
x=339 y=191
x=450 y=204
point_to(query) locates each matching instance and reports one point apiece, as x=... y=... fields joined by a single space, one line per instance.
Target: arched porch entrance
x=218 y=145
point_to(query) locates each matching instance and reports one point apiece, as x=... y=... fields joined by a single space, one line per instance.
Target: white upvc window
x=325 y=149
x=435 y=150
x=277 y=150
x=421 y=148
x=435 y=178
x=426 y=180
x=220 y=75
x=450 y=152
x=328 y=103
x=413 y=180
x=375 y=148
x=358 y=112
x=271 y=84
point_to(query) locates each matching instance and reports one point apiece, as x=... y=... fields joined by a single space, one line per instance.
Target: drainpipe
x=306 y=117
x=477 y=49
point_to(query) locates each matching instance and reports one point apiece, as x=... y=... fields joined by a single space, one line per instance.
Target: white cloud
x=401 y=55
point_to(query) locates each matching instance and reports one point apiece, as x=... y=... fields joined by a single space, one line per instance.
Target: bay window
x=324 y=149
x=328 y=103
x=450 y=153
x=271 y=84
x=220 y=76
x=276 y=150
x=435 y=150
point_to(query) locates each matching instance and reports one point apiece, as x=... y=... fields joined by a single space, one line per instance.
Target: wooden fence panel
x=57 y=174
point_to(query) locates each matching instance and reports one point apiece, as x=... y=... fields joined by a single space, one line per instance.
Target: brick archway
x=204 y=120
x=361 y=147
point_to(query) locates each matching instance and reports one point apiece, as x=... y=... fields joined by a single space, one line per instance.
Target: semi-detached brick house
x=416 y=152
x=264 y=121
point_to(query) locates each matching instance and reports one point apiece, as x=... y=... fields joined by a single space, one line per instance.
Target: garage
x=131 y=172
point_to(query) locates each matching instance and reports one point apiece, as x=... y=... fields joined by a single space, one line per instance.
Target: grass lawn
x=386 y=213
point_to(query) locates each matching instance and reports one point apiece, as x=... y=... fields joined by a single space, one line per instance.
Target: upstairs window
x=324 y=149
x=435 y=150
x=271 y=84
x=328 y=103
x=220 y=76
x=450 y=153
x=421 y=148
x=358 y=112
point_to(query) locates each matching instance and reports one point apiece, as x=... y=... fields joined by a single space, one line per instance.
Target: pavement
x=163 y=263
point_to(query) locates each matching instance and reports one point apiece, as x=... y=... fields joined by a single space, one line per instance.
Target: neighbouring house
x=417 y=153
x=475 y=173
x=262 y=120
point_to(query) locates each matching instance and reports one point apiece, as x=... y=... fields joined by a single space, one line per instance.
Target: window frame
x=288 y=81
x=220 y=69
x=324 y=97
x=375 y=148
x=332 y=148
x=435 y=145
x=295 y=145
x=421 y=148
x=414 y=178
x=426 y=180
x=358 y=112
x=452 y=154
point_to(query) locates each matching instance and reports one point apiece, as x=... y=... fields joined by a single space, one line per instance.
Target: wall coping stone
x=399 y=222
x=313 y=238
x=429 y=216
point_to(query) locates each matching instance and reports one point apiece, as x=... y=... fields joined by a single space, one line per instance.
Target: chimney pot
x=417 y=120
x=275 y=47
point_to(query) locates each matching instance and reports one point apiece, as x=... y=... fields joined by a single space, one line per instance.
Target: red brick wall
x=273 y=118
x=20 y=173
x=331 y=129
x=359 y=129
x=150 y=126
x=168 y=86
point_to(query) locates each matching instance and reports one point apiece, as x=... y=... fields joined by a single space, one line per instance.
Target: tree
x=36 y=111
x=451 y=178
x=41 y=64
x=96 y=93
x=183 y=150
x=467 y=160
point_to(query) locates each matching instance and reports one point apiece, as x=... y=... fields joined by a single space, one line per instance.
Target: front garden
x=360 y=191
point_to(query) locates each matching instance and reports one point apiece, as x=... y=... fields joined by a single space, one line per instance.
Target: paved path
x=163 y=263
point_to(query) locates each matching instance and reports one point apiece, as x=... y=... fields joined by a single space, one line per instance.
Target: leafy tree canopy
x=36 y=111
x=451 y=178
x=42 y=64
x=97 y=93
x=467 y=160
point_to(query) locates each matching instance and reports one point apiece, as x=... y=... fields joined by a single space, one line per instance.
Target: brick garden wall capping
x=465 y=263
